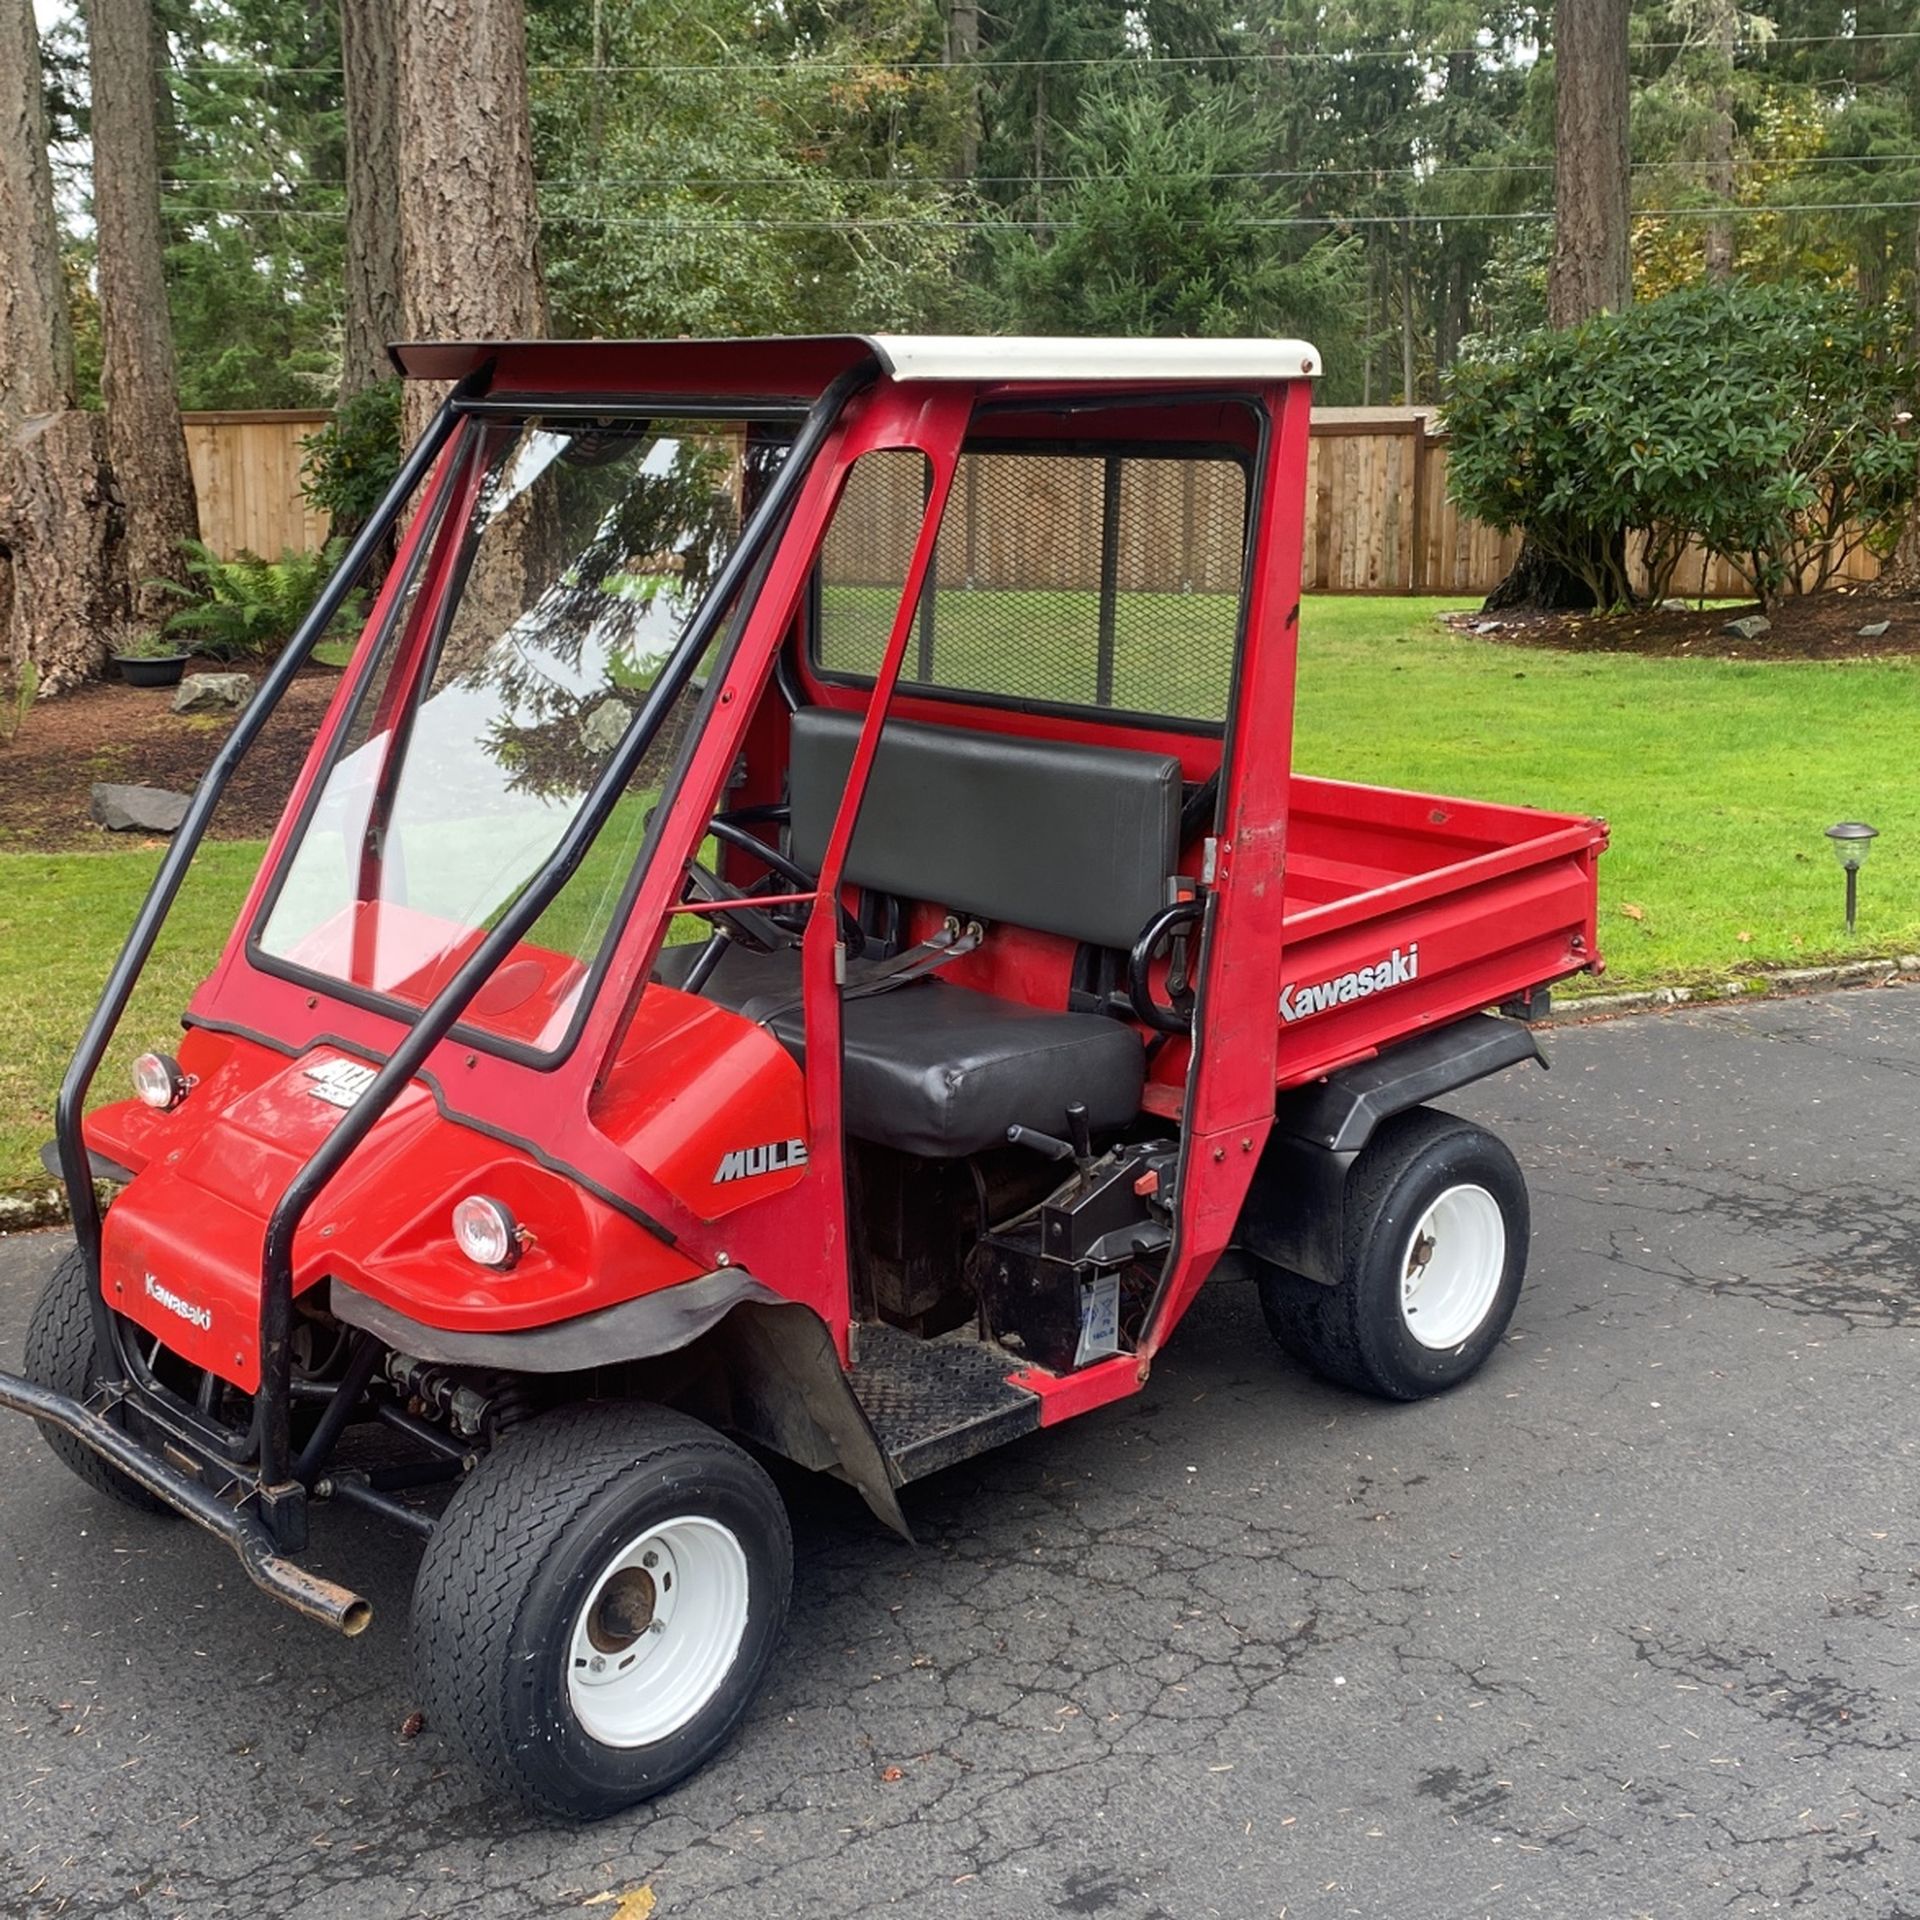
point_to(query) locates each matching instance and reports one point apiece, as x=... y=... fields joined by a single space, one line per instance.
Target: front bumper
x=212 y=1494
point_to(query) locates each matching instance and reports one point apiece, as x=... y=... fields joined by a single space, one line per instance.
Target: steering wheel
x=754 y=927
x=750 y=926
x=1176 y=1017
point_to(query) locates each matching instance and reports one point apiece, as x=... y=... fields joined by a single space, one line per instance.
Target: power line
x=906 y=182
x=849 y=224
x=819 y=63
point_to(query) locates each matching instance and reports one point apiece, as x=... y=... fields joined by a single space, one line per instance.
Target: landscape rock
x=122 y=809
x=1874 y=629
x=212 y=692
x=1749 y=626
x=1488 y=626
x=1676 y=606
x=601 y=730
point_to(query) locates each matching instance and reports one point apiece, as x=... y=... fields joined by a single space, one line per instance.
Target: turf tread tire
x=1340 y=1331
x=515 y=1511
x=59 y=1354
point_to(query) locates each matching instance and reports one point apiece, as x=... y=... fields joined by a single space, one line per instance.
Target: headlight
x=158 y=1081
x=486 y=1231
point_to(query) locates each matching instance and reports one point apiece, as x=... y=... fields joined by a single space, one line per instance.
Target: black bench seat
x=940 y=1070
x=1060 y=837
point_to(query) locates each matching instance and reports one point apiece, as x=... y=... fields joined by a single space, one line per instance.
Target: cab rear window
x=1062 y=577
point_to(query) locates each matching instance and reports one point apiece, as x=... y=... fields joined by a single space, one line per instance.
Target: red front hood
x=181 y=1249
x=182 y=1245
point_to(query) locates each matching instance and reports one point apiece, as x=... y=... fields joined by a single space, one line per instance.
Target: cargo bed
x=1406 y=909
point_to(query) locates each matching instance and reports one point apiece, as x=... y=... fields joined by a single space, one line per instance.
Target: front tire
x=599 y=1603
x=60 y=1355
x=1434 y=1251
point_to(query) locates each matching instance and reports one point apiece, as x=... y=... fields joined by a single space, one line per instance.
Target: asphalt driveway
x=1625 y=1627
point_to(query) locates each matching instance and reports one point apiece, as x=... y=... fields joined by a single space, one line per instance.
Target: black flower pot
x=143 y=671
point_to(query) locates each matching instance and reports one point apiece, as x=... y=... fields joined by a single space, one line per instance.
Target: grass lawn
x=1717 y=778
x=62 y=919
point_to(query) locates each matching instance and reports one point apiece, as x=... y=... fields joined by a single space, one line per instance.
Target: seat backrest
x=1063 y=838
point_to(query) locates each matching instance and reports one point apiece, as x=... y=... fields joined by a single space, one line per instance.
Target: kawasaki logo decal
x=190 y=1311
x=744 y=1162
x=1296 y=1003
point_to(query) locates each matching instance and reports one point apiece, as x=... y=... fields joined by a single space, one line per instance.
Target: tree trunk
x=1406 y=321
x=144 y=436
x=1039 y=139
x=597 y=93
x=1366 y=341
x=1590 y=272
x=369 y=61
x=469 y=225
x=1723 y=33
x=36 y=332
x=1718 y=244
x=963 y=51
x=1454 y=277
x=1541 y=584
x=1901 y=575
x=59 y=521
x=470 y=242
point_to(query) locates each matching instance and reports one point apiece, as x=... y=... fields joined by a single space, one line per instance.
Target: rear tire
x=599 y=1603
x=60 y=1355
x=1434 y=1251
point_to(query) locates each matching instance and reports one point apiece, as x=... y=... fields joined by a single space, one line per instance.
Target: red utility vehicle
x=799 y=924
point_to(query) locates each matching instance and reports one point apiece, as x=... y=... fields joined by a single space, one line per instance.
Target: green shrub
x=248 y=607
x=1763 y=422
x=1519 y=457
x=350 y=463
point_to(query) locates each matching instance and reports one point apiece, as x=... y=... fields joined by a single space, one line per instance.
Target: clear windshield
x=585 y=550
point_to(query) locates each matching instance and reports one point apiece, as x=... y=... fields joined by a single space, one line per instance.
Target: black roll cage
x=275 y=1490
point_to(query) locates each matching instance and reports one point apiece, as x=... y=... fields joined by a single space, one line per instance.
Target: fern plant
x=247 y=607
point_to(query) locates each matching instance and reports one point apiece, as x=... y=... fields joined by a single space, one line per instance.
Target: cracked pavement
x=1625 y=1627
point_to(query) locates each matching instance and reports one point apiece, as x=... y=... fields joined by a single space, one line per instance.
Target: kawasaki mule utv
x=799 y=927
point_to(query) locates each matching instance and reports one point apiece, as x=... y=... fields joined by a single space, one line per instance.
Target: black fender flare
x=1294 y=1215
x=783 y=1383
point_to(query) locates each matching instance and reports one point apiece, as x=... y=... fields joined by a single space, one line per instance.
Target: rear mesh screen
x=1075 y=579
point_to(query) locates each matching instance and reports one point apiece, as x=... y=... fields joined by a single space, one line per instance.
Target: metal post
x=1109 y=581
x=1853 y=892
x=923 y=651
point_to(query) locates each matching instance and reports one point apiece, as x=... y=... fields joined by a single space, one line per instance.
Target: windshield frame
x=445 y=550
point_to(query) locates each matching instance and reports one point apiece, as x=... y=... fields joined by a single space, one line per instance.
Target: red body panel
x=211 y=1170
x=693 y=1085
x=1064 y=1396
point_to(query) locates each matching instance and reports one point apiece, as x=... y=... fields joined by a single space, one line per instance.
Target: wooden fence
x=1378 y=516
x=246 y=474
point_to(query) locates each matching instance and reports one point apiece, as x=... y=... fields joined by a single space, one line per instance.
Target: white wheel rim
x=658 y=1632
x=1451 y=1269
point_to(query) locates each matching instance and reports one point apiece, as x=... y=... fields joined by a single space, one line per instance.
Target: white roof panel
x=952 y=356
